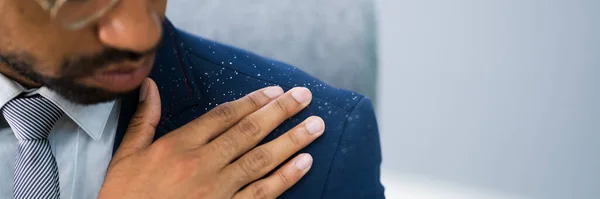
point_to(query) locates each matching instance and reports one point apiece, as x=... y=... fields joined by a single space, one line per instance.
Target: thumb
x=142 y=126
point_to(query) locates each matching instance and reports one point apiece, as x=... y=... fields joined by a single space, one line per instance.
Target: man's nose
x=133 y=25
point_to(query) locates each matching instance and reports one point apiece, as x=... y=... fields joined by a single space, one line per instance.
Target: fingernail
x=144 y=90
x=303 y=162
x=273 y=91
x=302 y=95
x=314 y=126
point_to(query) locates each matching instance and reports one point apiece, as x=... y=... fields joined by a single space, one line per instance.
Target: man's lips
x=122 y=70
x=123 y=78
x=126 y=68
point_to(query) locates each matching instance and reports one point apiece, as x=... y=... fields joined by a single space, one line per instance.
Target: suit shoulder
x=262 y=70
x=222 y=73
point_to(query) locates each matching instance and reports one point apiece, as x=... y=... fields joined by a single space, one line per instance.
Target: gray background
x=331 y=39
x=488 y=95
x=500 y=95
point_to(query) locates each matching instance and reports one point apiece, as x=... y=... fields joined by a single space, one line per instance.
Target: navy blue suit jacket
x=194 y=75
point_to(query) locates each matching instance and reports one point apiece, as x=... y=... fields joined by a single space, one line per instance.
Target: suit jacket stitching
x=241 y=72
x=338 y=145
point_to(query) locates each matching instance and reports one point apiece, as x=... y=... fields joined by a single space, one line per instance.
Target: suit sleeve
x=355 y=171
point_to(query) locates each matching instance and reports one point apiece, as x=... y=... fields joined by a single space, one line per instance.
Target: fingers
x=221 y=118
x=263 y=159
x=142 y=126
x=253 y=128
x=280 y=181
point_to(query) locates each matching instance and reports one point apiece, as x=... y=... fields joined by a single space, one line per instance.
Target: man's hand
x=214 y=156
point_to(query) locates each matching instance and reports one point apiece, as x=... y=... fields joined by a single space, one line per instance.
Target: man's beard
x=71 y=70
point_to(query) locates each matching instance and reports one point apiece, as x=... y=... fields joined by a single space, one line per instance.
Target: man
x=75 y=125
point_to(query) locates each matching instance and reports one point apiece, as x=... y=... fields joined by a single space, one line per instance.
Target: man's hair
x=3 y=60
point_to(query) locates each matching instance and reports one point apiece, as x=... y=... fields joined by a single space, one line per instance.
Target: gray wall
x=500 y=95
x=495 y=95
x=331 y=39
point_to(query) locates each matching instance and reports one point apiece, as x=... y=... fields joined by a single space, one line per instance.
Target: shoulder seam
x=177 y=54
x=230 y=69
x=338 y=142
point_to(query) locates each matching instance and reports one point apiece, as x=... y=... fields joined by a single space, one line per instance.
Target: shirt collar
x=10 y=90
x=90 y=118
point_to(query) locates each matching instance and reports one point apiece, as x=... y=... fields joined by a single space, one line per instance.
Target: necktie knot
x=36 y=171
x=31 y=118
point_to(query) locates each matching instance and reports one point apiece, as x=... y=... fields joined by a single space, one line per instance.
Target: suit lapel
x=129 y=105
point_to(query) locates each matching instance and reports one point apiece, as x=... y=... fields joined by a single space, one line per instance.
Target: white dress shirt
x=82 y=142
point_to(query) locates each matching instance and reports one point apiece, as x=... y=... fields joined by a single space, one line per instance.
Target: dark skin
x=214 y=156
x=50 y=58
x=7 y=71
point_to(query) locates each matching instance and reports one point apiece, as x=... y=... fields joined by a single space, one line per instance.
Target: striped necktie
x=36 y=171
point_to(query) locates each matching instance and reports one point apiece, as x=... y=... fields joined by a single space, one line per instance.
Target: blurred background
x=476 y=99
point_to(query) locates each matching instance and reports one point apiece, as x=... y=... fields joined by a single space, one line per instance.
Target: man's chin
x=92 y=97
x=98 y=88
x=86 y=95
